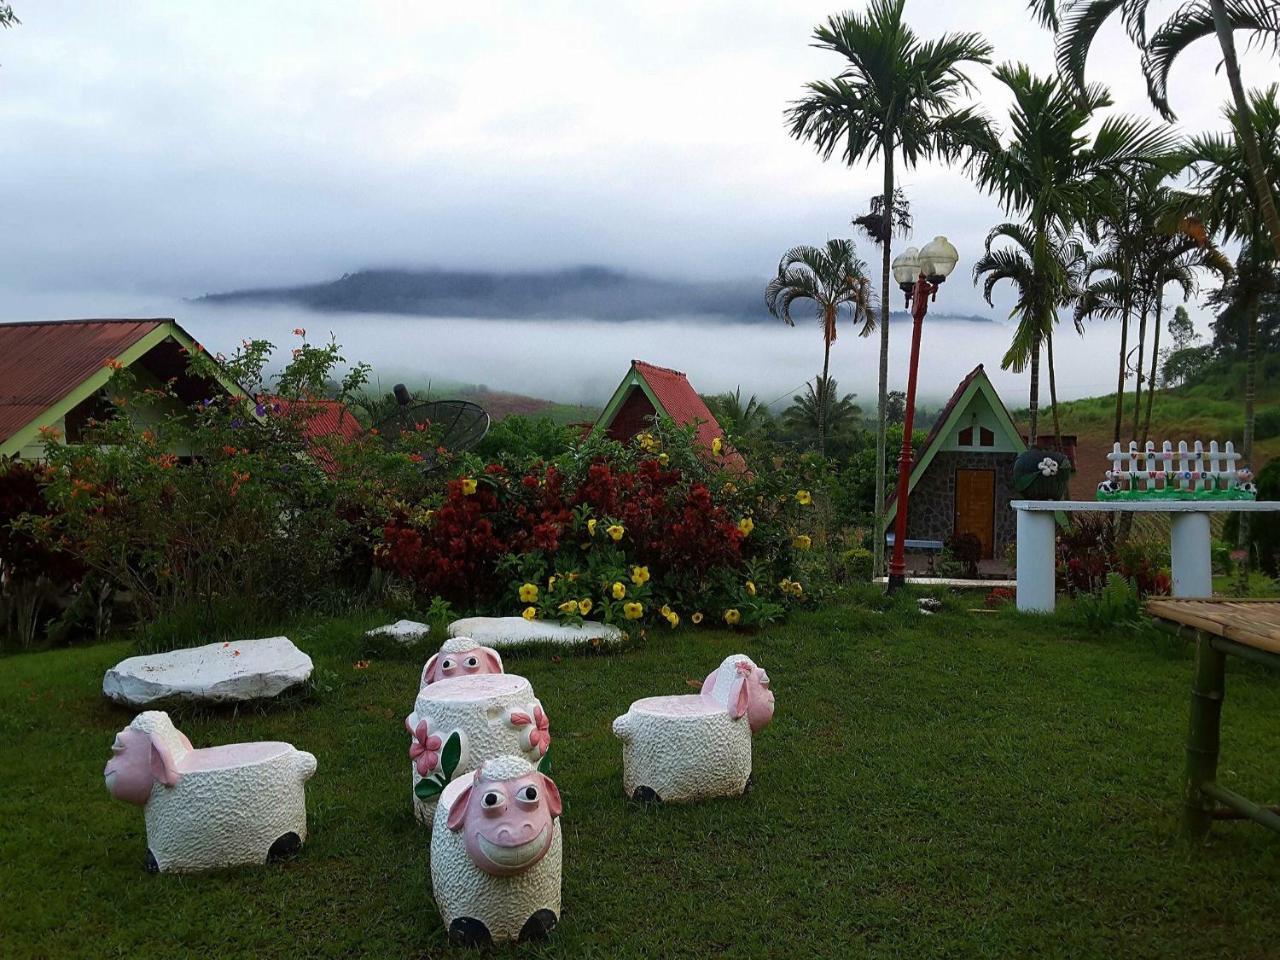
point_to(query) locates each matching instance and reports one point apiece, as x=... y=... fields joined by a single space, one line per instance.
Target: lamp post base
x=896 y=582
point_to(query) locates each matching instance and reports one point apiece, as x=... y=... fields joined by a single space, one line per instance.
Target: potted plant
x=1040 y=474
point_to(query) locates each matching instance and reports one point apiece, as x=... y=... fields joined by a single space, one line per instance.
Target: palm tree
x=1045 y=272
x=897 y=96
x=739 y=419
x=831 y=276
x=1054 y=176
x=1077 y=23
x=821 y=408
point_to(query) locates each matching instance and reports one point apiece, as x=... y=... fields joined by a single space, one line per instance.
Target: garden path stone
x=406 y=631
x=214 y=673
x=499 y=632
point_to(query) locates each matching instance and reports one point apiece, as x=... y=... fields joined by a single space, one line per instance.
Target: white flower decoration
x=1048 y=466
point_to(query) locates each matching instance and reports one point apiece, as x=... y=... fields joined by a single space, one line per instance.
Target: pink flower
x=538 y=736
x=425 y=749
x=743 y=667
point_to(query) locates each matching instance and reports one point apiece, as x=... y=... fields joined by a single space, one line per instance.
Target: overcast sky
x=180 y=148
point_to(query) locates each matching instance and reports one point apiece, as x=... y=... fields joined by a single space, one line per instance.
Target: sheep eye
x=528 y=794
x=446 y=664
x=491 y=799
x=472 y=662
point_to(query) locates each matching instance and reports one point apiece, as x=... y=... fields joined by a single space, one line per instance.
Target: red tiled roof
x=40 y=363
x=324 y=418
x=683 y=405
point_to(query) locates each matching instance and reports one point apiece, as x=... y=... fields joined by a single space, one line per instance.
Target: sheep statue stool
x=460 y=722
x=496 y=854
x=222 y=806
x=461 y=657
x=691 y=747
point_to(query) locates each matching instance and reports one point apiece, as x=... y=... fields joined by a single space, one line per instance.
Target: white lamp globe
x=906 y=266
x=938 y=258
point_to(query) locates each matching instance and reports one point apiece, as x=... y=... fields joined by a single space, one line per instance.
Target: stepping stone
x=406 y=631
x=214 y=673
x=499 y=632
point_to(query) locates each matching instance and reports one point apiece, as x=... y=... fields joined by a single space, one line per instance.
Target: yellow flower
x=569 y=606
x=573 y=576
x=633 y=610
x=619 y=590
x=732 y=616
x=529 y=592
x=584 y=606
x=730 y=487
x=785 y=585
x=797 y=590
x=697 y=617
x=746 y=525
x=615 y=532
x=639 y=576
x=673 y=618
x=663 y=459
x=468 y=486
x=751 y=589
x=591 y=527
x=648 y=442
x=530 y=613
x=665 y=611
x=802 y=542
x=804 y=497
x=551 y=582
x=716 y=446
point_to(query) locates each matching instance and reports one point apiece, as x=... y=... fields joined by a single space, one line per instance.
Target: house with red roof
x=649 y=392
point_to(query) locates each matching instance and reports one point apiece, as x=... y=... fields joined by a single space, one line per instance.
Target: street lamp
x=918 y=273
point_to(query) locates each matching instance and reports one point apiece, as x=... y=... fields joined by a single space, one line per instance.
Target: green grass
x=966 y=785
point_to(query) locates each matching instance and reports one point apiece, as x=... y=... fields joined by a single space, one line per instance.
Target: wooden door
x=976 y=507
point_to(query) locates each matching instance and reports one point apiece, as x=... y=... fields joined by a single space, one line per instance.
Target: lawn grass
x=966 y=785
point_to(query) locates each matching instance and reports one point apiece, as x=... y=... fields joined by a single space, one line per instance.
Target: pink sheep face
x=507 y=825
x=136 y=764
x=468 y=663
x=759 y=700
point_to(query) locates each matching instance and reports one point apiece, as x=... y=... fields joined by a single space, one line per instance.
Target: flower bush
x=1089 y=552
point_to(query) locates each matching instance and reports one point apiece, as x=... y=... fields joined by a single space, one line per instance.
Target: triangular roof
x=48 y=367
x=672 y=395
x=975 y=383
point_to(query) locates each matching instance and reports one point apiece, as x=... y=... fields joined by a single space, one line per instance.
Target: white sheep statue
x=461 y=657
x=696 y=746
x=239 y=803
x=460 y=722
x=497 y=855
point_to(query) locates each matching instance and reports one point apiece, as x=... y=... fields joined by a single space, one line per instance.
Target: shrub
x=1089 y=551
x=1117 y=603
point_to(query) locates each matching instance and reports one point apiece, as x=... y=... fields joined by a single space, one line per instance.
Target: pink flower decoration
x=425 y=749
x=743 y=667
x=538 y=736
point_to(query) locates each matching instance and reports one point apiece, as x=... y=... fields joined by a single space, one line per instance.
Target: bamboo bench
x=1249 y=629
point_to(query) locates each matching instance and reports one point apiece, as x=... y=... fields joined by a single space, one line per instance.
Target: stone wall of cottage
x=932 y=511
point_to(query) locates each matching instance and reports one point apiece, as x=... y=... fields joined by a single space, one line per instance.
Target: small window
x=986 y=437
x=966 y=437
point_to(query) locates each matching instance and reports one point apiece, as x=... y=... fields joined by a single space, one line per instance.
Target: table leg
x=1203 y=737
x=1036 y=561
x=1189 y=551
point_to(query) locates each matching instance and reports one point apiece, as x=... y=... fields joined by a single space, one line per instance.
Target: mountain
x=587 y=292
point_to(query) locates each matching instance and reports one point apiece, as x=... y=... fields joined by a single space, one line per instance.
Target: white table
x=1188 y=549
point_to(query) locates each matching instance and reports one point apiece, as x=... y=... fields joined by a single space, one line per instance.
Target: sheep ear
x=162 y=768
x=709 y=684
x=458 y=812
x=739 y=699
x=429 y=669
x=493 y=659
x=553 y=795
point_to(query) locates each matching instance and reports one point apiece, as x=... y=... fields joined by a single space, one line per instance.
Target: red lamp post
x=930 y=267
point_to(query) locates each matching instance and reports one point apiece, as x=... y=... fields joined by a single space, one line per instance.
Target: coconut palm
x=1045 y=271
x=832 y=277
x=897 y=97
x=820 y=408
x=737 y=418
x=1077 y=23
x=1053 y=175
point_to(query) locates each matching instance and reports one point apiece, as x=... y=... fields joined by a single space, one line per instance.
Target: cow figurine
x=240 y=803
x=496 y=854
x=461 y=657
x=691 y=747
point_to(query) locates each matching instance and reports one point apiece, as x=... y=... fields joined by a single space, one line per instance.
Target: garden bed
x=995 y=786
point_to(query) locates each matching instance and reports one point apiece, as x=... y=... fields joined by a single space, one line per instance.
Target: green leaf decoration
x=450 y=755
x=544 y=765
x=429 y=788
x=1021 y=483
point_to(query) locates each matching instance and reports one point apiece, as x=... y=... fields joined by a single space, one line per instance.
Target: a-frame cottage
x=962 y=480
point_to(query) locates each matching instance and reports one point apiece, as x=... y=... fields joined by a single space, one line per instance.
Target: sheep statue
x=461 y=657
x=460 y=722
x=224 y=806
x=691 y=747
x=496 y=854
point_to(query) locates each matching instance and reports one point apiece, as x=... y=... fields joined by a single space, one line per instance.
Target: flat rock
x=214 y=673
x=406 y=631
x=502 y=632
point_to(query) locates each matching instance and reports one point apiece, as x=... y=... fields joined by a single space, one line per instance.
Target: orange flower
x=229 y=451
x=362 y=664
x=299 y=332
x=113 y=364
x=50 y=433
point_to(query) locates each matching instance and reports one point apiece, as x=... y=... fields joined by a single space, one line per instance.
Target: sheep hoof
x=539 y=926
x=645 y=795
x=286 y=845
x=466 y=932
x=751 y=784
x=151 y=865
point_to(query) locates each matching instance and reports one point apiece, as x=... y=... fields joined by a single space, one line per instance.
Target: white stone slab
x=499 y=632
x=406 y=631
x=1147 y=506
x=214 y=673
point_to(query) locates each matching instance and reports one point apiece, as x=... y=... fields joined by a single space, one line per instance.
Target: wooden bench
x=1249 y=629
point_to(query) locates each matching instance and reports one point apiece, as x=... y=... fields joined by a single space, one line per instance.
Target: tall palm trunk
x=1138 y=367
x=1248 y=137
x=1124 y=350
x=1053 y=393
x=883 y=397
x=1155 y=359
x=828 y=322
x=1033 y=403
x=1250 y=387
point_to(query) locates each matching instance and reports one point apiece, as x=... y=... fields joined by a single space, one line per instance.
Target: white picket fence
x=1182 y=469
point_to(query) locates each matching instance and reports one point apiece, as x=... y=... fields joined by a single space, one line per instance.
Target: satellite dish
x=458 y=424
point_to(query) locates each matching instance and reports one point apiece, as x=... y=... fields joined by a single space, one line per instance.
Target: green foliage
x=527 y=438
x=1116 y=605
